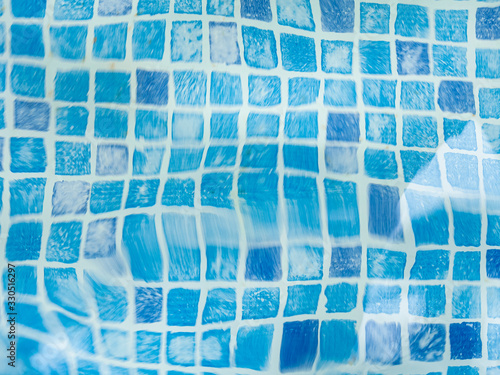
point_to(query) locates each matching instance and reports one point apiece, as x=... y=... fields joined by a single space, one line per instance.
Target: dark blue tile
x=264 y=264
x=256 y=10
x=338 y=342
x=152 y=87
x=465 y=340
x=493 y=264
x=486 y=25
x=456 y=97
x=185 y=159
x=299 y=345
x=337 y=15
x=343 y=127
x=114 y=8
x=32 y=115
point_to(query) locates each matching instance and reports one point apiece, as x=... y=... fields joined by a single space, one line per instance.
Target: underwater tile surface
x=250 y=186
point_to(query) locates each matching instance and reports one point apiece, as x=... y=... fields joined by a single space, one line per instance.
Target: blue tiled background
x=245 y=186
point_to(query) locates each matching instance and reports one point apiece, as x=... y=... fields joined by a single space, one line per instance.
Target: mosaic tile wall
x=251 y=186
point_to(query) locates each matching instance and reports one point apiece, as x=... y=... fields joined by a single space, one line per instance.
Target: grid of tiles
x=232 y=187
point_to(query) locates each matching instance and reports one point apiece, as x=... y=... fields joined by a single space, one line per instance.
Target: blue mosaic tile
x=284 y=186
